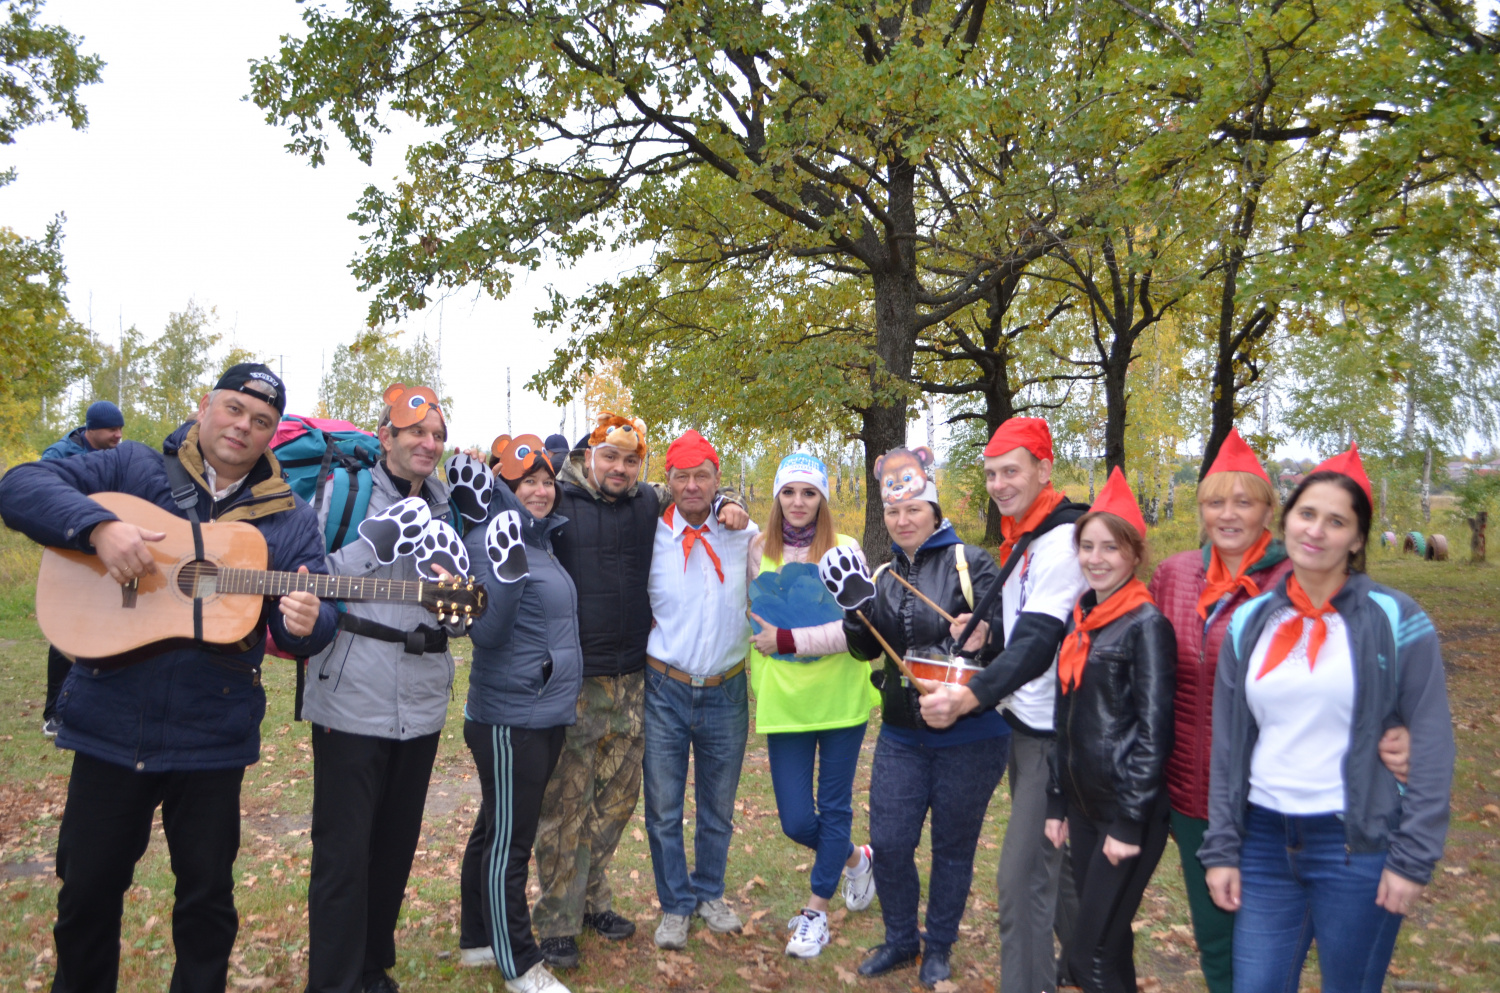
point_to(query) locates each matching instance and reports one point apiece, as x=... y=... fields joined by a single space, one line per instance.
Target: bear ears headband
x=519 y=455
x=626 y=434
x=410 y=404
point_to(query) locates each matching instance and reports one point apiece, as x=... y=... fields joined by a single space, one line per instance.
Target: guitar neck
x=354 y=588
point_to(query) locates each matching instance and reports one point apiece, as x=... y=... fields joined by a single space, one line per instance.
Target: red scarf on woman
x=1013 y=529
x=1222 y=581
x=1290 y=632
x=1074 y=654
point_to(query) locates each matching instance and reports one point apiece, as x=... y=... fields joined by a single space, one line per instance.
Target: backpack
x=313 y=449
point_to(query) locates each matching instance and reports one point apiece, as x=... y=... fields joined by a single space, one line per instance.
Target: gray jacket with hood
x=1398 y=679
x=528 y=664
x=367 y=686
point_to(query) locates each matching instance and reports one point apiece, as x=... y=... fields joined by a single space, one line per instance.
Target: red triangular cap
x=1116 y=498
x=1236 y=456
x=1030 y=433
x=1349 y=464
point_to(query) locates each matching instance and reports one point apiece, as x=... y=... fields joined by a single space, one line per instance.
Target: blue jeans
x=1297 y=883
x=713 y=722
x=956 y=784
x=821 y=823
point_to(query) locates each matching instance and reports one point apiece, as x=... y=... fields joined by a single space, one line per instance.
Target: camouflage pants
x=589 y=800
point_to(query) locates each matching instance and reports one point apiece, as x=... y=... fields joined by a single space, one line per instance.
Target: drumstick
x=892 y=653
x=921 y=596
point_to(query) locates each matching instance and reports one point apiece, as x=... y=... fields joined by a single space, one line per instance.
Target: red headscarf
x=1030 y=433
x=692 y=449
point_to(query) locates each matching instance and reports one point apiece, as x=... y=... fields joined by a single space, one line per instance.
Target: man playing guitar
x=177 y=729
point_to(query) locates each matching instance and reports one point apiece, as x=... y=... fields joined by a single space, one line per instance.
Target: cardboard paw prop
x=847 y=577
x=470 y=487
x=396 y=530
x=502 y=543
x=441 y=548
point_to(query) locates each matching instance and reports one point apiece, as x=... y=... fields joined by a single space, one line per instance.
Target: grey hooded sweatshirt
x=528 y=664
x=367 y=686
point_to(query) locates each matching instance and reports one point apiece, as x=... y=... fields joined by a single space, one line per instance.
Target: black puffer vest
x=908 y=623
x=606 y=548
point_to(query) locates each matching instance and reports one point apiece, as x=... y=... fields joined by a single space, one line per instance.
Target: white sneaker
x=536 y=980
x=859 y=885
x=809 y=934
x=672 y=932
x=474 y=958
x=721 y=920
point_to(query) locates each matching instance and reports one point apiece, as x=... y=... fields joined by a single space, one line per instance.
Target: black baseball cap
x=256 y=380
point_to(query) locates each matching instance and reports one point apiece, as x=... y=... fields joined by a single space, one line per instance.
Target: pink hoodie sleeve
x=825 y=639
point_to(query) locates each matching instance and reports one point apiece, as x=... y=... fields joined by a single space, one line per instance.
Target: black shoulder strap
x=1064 y=513
x=185 y=495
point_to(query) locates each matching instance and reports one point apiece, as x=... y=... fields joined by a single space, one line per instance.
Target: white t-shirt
x=1047 y=582
x=1304 y=718
x=701 y=627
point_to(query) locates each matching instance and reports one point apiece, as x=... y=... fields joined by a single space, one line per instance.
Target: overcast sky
x=178 y=189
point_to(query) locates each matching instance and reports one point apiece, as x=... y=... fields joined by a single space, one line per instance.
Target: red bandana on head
x=1030 y=433
x=692 y=449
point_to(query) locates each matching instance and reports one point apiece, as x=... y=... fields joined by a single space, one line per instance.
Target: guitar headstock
x=458 y=599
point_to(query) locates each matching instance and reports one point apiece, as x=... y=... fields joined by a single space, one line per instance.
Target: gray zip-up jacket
x=528 y=664
x=367 y=686
x=1398 y=679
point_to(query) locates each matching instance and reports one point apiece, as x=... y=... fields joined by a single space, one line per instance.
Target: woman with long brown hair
x=812 y=701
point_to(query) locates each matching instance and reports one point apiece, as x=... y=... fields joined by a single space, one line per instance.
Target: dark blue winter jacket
x=73 y=443
x=187 y=708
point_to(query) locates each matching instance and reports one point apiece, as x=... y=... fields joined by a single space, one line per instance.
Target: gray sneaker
x=672 y=932
x=721 y=920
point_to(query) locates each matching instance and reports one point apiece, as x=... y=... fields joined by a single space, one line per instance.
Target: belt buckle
x=696 y=681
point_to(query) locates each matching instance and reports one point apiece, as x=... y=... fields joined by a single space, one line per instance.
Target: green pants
x=1213 y=928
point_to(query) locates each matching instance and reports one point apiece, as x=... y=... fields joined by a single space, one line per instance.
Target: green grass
x=1452 y=942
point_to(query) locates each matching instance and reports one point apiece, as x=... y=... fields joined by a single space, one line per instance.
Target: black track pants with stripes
x=514 y=765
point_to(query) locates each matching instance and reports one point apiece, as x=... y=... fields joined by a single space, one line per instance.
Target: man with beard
x=607 y=549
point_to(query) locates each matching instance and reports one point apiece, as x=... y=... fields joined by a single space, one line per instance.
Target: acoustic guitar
x=95 y=620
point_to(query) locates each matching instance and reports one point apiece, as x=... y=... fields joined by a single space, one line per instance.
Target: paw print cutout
x=847 y=577
x=396 y=530
x=441 y=547
x=470 y=485
x=502 y=543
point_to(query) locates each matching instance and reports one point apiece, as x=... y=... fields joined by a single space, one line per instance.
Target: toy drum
x=941 y=668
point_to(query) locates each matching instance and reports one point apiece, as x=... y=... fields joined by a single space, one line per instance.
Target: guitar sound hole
x=198 y=579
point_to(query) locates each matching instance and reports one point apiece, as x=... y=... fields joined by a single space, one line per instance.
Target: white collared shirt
x=212 y=479
x=701 y=627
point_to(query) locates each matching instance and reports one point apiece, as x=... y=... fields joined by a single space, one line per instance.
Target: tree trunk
x=1477 y=525
x=883 y=423
x=1115 y=401
x=1427 y=487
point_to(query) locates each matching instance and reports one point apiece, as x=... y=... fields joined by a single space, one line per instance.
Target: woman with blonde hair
x=812 y=699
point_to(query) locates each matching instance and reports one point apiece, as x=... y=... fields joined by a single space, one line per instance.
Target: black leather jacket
x=908 y=623
x=1114 y=731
